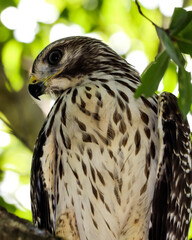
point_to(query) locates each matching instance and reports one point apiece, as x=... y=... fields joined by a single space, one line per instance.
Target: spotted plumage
x=107 y=165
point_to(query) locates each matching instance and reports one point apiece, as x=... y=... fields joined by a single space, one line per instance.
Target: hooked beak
x=36 y=89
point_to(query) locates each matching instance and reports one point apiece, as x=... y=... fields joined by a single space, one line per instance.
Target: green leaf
x=172 y=51
x=152 y=75
x=179 y=20
x=184 y=39
x=170 y=78
x=185 y=90
x=185 y=46
x=186 y=33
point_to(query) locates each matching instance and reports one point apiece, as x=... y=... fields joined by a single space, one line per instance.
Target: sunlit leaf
x=22 y=213
x=25 y=213
x=153 y=75
x=185 y=90
x=170 y=78
x=171 y=49
x=10 y=207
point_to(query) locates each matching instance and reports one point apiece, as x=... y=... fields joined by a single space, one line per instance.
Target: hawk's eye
x=54 y=57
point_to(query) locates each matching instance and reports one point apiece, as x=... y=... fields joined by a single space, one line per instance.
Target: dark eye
x=54 y=57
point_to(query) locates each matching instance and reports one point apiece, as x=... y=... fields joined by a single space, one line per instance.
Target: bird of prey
x=106 y=165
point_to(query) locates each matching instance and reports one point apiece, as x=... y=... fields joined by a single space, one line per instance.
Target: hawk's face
x=66 y=63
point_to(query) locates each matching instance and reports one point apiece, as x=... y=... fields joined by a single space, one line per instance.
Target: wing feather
x=171 y=207
x=40 y=204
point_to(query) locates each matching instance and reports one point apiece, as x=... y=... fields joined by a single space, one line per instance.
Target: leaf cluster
x=177 y=41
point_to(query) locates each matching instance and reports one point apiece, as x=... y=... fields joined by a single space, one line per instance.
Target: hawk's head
x=69 y=62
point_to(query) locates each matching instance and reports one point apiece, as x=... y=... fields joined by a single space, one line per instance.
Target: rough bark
x=15 y=228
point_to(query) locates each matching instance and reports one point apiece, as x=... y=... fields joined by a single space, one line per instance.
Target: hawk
x=107 y=165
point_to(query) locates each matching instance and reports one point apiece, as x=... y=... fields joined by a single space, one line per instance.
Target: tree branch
x=15 y=228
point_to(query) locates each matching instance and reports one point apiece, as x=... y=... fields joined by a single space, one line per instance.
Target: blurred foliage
x=20 y=117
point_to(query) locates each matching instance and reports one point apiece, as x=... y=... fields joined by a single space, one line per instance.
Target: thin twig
x=139 y=9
